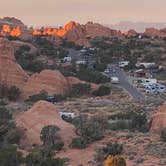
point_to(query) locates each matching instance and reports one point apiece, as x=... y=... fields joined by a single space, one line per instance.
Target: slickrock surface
x=42 y=114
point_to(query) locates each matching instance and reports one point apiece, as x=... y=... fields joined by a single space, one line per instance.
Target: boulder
x=40 y=115
x=51 y=81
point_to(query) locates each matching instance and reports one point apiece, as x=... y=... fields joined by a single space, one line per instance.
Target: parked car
x=155 y=88
x=106 y=71
x=114 y=80
x=151 y=90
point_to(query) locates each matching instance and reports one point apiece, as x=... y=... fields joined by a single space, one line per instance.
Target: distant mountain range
x=137 y=26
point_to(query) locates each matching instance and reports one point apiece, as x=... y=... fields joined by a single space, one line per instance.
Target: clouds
x=55 y=12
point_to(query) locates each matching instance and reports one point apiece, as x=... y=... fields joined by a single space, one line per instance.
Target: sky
x=59 y=12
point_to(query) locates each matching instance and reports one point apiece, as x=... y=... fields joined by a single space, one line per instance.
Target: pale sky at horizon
x=59 y=12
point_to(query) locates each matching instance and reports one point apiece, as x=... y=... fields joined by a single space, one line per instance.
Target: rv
x=146 y=65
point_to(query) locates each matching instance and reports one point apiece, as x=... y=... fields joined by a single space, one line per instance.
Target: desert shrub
x=90 y=129
x=163 y=134
x=3 y=101
x=9 y=156
x=110 y=149
x=115 y=161
x=12 y=93
x=100 y=66
x=9 y=133
x=134 y=120
x=119 y=124
x=79 y=143
x=41 y=96
x=60 y=97
x=50 y=137
x=102 y=91
x=80 y=89
x=41 y=157
x=92 y=76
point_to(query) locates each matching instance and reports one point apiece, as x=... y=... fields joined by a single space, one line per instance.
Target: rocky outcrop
x=152 y=32
x=56 y=31
x=10 y=26
x=40 y=115
x=82 y=34
x=159 y=119
x=79 y=34
x=131 y=33
x=51 y=81
x=11 y=74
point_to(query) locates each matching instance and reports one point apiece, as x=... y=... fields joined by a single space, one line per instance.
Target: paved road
x=117 y=72
x=124 y=83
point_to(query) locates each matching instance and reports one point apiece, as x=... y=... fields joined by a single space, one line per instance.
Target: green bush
x=79 y=143
x=109 y=149
x=80 y=89
x=102 y=91
x=90 y=129
x=92 y=76
x=43 y=157
x=9 y=133
x=134 y=121
x=41 y=96
x=163 y=134
x=13 y=93
x=9 y=156
x=50 y=137
x=60 y=97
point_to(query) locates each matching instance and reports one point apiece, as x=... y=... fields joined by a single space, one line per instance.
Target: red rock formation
x=55 y=31
x=10 y=26
x=39 y=116
x=155 y=32
x=131 y=33
x=80 y=34
x=51 y=81
x=83 y=33
x=10 y=72
x=159 y=119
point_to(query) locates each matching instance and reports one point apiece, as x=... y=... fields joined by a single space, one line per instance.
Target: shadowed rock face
x=10 y=72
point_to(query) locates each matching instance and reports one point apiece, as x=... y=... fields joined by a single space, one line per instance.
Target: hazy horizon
x=54 y=12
